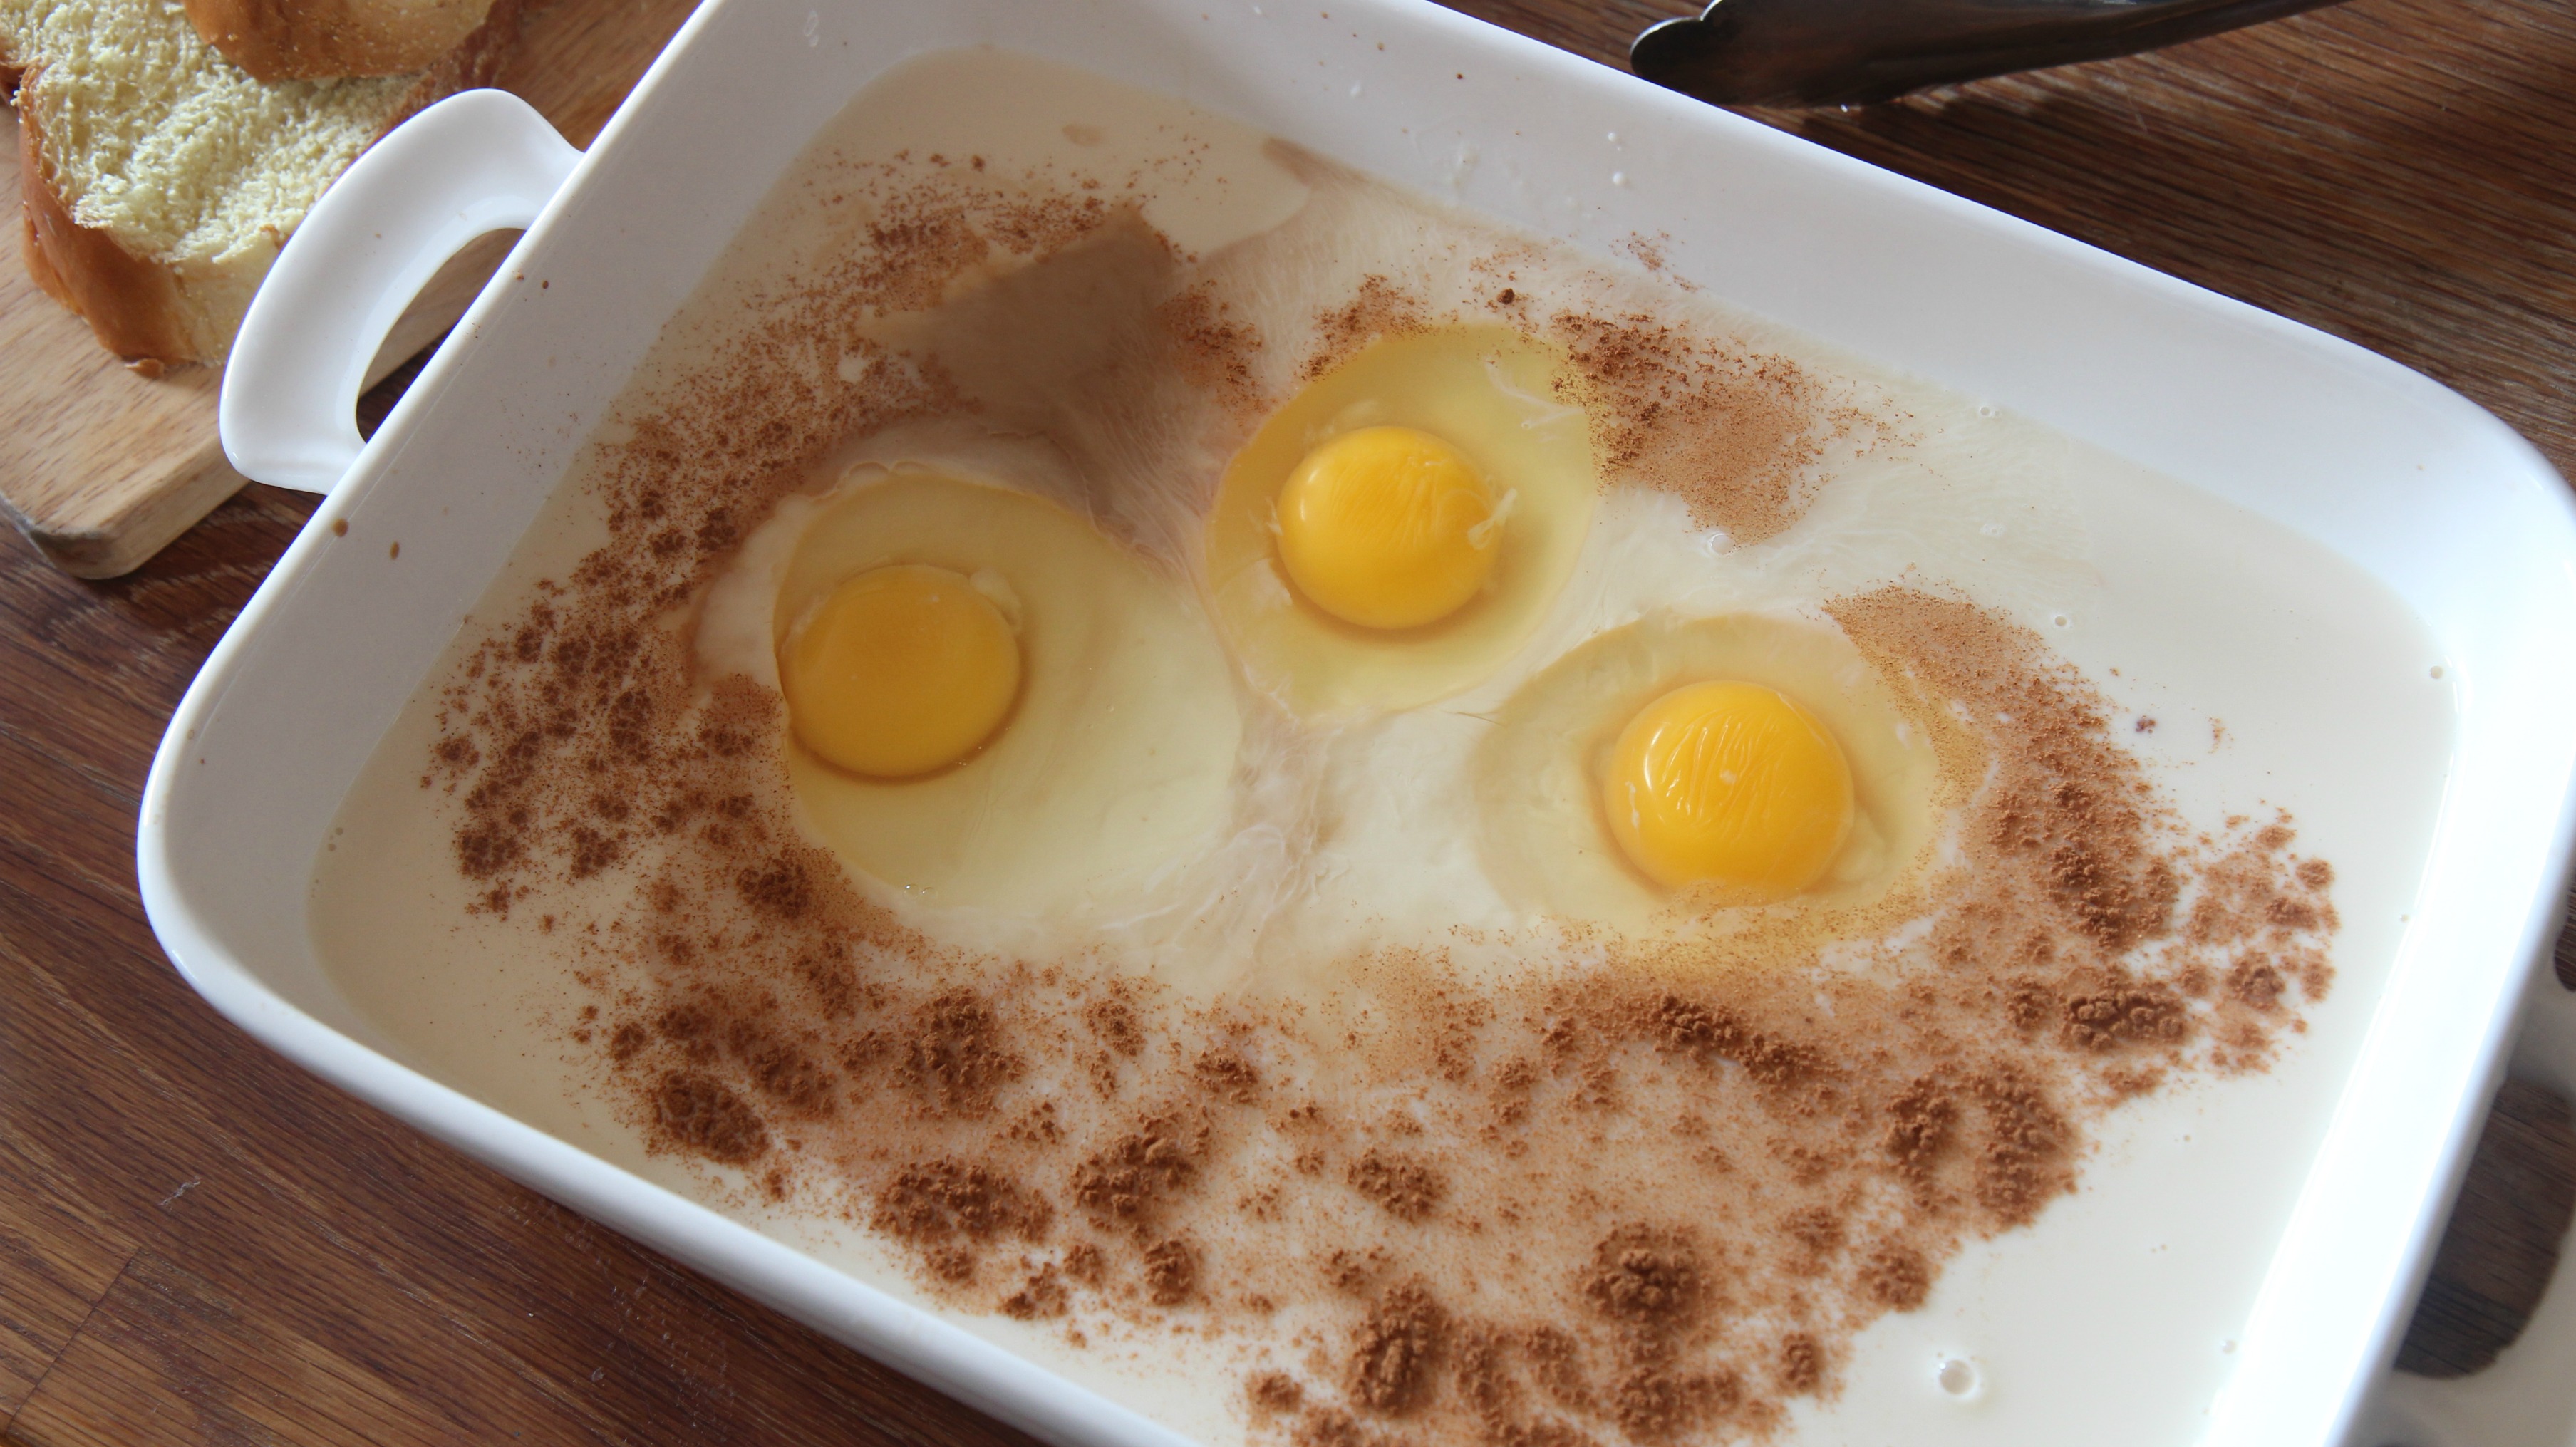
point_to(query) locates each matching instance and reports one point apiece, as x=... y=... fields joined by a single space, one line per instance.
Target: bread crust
x=137 y=306
x=132 y=305
x=319 y=39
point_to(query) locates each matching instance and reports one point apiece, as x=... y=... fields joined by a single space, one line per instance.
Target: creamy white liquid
x=2277 y=675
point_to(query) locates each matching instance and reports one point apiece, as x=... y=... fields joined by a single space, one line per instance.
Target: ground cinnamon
x=1221 y=1166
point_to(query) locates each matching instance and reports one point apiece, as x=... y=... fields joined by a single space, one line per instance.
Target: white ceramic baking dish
x=2405 y=478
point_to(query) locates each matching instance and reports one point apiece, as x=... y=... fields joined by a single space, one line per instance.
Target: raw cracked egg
x=1399 y=527
x=1674 y=766
x=1728 y=786
x=991 y=703
x=902 y=670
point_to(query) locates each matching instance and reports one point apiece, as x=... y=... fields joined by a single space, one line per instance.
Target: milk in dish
x=1343 y=822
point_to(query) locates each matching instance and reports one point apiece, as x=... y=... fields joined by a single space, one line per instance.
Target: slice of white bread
x=318 y=39
x=160 y=179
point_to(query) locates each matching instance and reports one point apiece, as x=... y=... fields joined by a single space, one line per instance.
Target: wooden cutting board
x=99 y=467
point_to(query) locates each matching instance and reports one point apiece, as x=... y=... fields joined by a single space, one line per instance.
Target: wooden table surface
x=202 y=1244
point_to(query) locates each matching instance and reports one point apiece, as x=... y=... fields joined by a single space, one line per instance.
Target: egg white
x=1343 y=836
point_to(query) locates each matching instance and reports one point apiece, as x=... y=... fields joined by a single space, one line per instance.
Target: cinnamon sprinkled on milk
x=1514 y=1179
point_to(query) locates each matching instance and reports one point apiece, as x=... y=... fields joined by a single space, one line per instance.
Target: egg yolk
x=900 y=671
x=1729 y=785
x=1388 y=527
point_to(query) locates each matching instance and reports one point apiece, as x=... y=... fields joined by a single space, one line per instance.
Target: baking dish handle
x=479 y=161
x=2527 y=1398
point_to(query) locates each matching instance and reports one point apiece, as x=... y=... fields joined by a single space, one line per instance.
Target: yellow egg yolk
x=900 y=671
x=1388 y=527
x=1729 y=785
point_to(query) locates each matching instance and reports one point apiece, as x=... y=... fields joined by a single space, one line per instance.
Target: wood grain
x=200 y=1243
x=101 y=468
x=2504 y=1236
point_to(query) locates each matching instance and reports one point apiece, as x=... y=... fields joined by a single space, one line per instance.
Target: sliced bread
x=160 y=179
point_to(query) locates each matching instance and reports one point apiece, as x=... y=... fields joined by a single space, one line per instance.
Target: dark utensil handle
x=1848 y=52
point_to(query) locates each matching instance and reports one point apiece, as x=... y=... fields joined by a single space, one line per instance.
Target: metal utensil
x=1849 y=52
